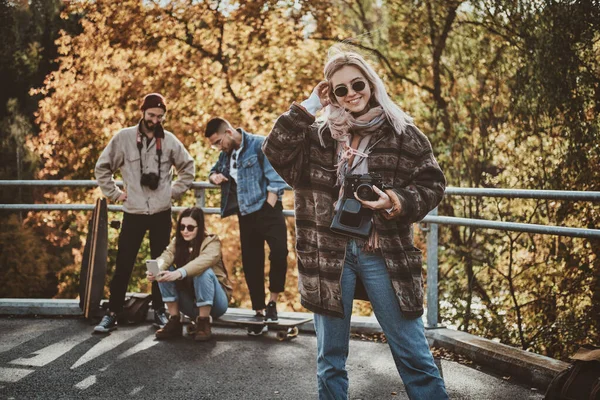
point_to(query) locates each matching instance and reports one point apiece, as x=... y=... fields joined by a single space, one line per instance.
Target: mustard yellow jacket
x=209 y=257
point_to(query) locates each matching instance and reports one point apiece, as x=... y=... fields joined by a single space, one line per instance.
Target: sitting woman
x=193 y=278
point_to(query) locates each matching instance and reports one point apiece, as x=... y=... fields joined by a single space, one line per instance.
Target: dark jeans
x=268 y=224
x=196 y=291
x=130 y=239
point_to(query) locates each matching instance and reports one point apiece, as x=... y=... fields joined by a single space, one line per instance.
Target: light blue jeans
x=207 y=291
x=406 y=337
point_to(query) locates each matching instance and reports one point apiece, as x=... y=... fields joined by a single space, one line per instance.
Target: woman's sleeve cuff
x=396 y=209
x=299 y=108
x=183 y=273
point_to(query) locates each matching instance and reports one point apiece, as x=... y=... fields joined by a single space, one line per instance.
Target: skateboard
x=290 y=325
x=93 y=267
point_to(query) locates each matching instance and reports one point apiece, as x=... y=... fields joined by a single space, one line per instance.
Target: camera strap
x=158 y=151
x=345 y=153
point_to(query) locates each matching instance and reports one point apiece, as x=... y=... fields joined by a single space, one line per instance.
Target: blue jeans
x=207 y=291
x=406 y=337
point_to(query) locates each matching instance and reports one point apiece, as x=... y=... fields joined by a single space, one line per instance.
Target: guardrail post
x=200 y=197
x=432 y=274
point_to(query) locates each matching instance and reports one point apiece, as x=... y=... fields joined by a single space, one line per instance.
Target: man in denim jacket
x=251 y=188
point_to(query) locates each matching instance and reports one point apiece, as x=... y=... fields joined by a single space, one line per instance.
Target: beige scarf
x=343 y=125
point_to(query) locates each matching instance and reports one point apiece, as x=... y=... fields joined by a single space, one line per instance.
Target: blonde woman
x=362 y=133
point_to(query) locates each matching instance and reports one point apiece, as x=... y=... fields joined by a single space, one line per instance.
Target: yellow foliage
x=246 y=64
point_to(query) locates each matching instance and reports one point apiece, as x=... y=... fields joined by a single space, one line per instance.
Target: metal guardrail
x=83 y=183
x=450 y=190
x=432 y=220
x=90 y=207
x=574 y=195
x=200 y=187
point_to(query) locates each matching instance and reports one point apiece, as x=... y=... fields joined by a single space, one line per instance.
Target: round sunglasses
x=190 y=228
x=342 y=90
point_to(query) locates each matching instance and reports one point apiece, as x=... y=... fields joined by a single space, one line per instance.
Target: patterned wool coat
x=407 y=165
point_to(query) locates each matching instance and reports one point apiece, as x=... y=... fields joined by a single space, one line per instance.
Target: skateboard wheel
x=292 y=332
x=281 y=336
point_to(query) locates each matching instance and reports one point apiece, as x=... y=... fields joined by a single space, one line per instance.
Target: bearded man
x=144 y=154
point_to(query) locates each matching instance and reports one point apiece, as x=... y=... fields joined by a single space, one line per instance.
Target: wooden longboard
x=93 y=267
x=290 y=324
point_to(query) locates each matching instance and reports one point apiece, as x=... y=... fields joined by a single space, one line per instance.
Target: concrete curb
x=46 y=307
x=69 y=307
x=529 y=368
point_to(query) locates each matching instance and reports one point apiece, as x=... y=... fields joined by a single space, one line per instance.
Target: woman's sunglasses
x=342 y=90
x=190 y=228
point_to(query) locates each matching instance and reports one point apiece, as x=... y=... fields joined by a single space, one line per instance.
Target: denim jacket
x=256 y=176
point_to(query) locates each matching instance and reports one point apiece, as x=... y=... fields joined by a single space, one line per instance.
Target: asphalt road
x=61 y=359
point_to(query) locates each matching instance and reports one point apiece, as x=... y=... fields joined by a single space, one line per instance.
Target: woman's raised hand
x=318 y=99
x=322 y=90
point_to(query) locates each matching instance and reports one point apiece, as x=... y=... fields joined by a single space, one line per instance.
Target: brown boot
x=173 y=328
x=203 y=332
x=191 y=329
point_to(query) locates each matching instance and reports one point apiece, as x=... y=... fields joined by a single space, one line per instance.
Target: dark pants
x=130 y=239
x=268 y=224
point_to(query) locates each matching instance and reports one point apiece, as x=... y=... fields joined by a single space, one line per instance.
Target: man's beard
x=149 y=126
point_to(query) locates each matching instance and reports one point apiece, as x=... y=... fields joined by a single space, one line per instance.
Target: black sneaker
x=160 y=318
x=271 y=314
x=108 y=323
x=256 y=330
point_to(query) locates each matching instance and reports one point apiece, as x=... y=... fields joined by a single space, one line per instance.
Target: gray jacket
x=122 y=153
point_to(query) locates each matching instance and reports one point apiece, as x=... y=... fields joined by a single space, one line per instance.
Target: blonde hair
x=338 y=58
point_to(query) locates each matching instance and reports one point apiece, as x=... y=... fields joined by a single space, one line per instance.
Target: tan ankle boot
x=173 y=328
x=203 y=332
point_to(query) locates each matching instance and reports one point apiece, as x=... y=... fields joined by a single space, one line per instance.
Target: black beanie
x=153 y=100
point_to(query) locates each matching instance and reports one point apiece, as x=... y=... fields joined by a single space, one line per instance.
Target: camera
x=151 y=180
x=351 y=218
x=363 y=186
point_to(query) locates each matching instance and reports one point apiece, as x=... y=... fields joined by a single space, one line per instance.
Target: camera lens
x=364 y=192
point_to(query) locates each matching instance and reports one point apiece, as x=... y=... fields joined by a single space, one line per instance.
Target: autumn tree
x=26 y=273
x=27 y=51
x=246 y=61
x=507 y=92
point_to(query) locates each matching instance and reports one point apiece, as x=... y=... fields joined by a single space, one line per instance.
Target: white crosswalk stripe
x=136 y=390
x=145 y=344
x=50 y=353
x=220 y=348
x=13 y=374
x=21 y=335
x=86 y=383
x=108 y=343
